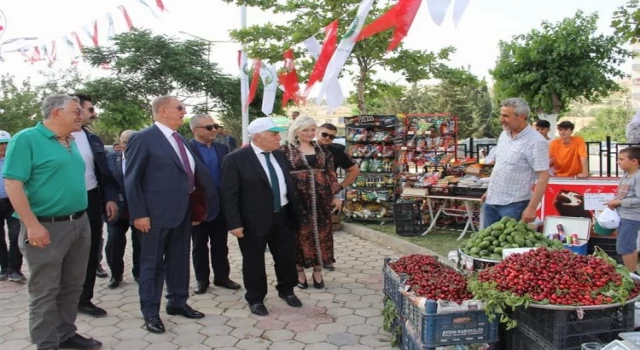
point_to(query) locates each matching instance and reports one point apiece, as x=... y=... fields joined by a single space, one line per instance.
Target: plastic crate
x=515 y=339
x=408 y=218
x=565 y=330
x=469 y=191
x=392 y=282
x=440 y=190
x=457 y=328
x=410 y=343
x=607 y=244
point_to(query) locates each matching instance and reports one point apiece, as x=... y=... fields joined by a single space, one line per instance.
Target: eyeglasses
x=179 y=108
x=77 y=112
x=210 y=127
x=326 y=135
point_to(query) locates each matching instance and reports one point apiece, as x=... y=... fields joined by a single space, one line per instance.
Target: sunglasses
x=326 y=135
x=77 y=112
x=210 y=127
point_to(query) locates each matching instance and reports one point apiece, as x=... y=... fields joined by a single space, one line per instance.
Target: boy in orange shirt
x=568 y=154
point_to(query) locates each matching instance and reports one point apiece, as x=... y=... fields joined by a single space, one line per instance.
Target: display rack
x=371 y=142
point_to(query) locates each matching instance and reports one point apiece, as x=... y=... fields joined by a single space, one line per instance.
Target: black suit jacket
x=246 y=193
x=114 y=162
x=106 y=182
x=222 y=150
x=156 y=183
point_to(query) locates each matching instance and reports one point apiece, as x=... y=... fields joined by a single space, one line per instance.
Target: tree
x=563 y=62
x=609 y=121
x=308 y=17
x=626 y=21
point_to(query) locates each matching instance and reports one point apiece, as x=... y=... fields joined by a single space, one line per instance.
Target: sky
x=476 y=38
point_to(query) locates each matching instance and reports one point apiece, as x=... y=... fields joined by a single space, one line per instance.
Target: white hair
x=300 y=123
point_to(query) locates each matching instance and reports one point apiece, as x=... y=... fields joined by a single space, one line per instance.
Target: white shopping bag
x=609 y=219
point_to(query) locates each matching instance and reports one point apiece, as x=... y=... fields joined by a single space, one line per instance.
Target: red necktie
x=185 y=160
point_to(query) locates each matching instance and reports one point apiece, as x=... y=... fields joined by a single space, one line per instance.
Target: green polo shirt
x=53 y=176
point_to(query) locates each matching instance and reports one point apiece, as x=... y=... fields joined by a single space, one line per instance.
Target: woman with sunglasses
x=316 y=183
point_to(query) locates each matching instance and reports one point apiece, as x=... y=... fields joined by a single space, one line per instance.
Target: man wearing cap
x=259 y=207
x=10 y=259
x=44 y=177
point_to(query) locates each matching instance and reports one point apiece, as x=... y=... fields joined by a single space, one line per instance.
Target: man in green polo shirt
x=44 y=178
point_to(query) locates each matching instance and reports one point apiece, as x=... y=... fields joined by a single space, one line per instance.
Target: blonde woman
x=316 y=184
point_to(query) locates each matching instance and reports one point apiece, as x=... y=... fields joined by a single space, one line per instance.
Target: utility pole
x=244 y=81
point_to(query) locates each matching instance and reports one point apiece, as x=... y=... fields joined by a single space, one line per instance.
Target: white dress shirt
x=87 y=155
x=124 y=163
x=168 y=133
x=263 y=161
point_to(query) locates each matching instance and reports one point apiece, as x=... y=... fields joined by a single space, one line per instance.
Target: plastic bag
x=609 y=219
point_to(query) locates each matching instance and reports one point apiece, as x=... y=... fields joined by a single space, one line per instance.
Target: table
x=461 y=213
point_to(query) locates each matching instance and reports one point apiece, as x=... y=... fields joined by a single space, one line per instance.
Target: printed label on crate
x=468 y=332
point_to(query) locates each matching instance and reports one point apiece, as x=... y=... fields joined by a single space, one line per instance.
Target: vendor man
x=568 y=154
x=522 y=156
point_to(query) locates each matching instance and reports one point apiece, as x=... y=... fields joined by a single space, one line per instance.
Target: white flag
x=458 y=9
x=313 y=46
x=340 y=57
x=438 y=9
x=112 y=28
x=270 y=82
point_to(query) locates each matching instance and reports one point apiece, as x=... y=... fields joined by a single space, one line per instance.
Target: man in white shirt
x=101 y=188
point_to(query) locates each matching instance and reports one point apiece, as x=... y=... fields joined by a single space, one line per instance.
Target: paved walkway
x=346 y=315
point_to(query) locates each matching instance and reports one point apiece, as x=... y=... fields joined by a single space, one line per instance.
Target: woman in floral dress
x=316 y=183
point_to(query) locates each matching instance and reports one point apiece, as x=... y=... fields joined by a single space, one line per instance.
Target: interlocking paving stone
x=346 y=314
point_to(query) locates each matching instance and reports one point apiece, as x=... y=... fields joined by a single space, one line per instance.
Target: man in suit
x=162 y=180
x=102 y=191
x=259 y=207
x=117 y=228
x=213 y=228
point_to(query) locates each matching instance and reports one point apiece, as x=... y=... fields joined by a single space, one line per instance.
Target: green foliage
x=609 y=121
x=562 y=62
x=626 y=21
x=309 y=17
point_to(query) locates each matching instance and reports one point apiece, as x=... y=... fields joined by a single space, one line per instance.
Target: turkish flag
x=288 y=78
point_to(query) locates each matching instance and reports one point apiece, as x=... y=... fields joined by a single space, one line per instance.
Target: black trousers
x=11 y=258
x=94 y=213
x=215 y=233
x=281 y=241
x=115 y=248
x=164 y=252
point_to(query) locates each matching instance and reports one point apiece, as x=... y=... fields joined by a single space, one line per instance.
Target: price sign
x=597 y=201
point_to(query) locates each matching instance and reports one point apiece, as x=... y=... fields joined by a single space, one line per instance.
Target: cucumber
x=498 y=250
x=508 y=230
x=483 y=245
x=484 y=253
x=519 y=241
x=495 y=243
x=528 y=243
x=491 y=249
x=497 y=227
x=496 y=234
x=502 y=238
x=504 y=220
x=475 y=250
x=510 y=239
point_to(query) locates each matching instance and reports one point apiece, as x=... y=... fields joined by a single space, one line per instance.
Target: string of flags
x=331 y=56
x=89 y=34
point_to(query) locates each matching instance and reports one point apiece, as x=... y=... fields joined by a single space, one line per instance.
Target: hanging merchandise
x=370 y=143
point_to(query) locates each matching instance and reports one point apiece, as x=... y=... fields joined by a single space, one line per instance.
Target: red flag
x=35 y=56
x=160 y=5
x=80 y=46
x=289 y=79
x=94 y=37
x=239 y=58
x=400 y=17
x=254 y=82
x=126 y=17
x=328 y=48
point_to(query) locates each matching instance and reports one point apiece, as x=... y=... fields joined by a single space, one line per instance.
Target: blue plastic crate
x=392 y=282
x=409 y=342
x=465 y=327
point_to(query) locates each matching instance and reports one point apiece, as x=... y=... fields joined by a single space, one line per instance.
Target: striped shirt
x=517 y=161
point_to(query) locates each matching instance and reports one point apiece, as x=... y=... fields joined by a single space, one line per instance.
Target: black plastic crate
x=516 y=339
x=392 y=282
x=469 y=191
x=440 y=190
x=607 y=244
x=565 y=330
x=408 y=218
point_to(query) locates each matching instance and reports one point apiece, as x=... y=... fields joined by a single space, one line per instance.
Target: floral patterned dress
x=315 y=181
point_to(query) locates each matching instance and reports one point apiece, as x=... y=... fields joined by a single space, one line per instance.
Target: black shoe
x=137 y=279
x=4 y=275
x=258 y=309
x=329 y=267
x=317 y=285
x=88 y=308
x=114 y=282
x=292 y=300
x=154 y=324
x=17 y=276
x=185 y=311
x=201 y=287
x=229 y=284
x=80 y=342
x=101 y=273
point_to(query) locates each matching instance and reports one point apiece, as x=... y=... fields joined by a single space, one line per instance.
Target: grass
x=440 y=241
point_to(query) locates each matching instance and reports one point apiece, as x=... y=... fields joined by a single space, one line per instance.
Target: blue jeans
x=493 y=213
x=627 y=236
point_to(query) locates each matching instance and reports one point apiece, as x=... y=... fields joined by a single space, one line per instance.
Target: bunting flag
x=438 y=9
x=35 y=55
x=94 y=37
x=328 y=48
x=160 y=5
x=330 y=81
x=400 y=17
x=254 y=83
x=78 y=42
x=270 y=83
x=53 y=54
x=126 y=17
x=458 y=9
x=3 y=24
x=112 y=28
x=313 y=47
x=288 y=78
x=70 y=45
x=143 y=2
